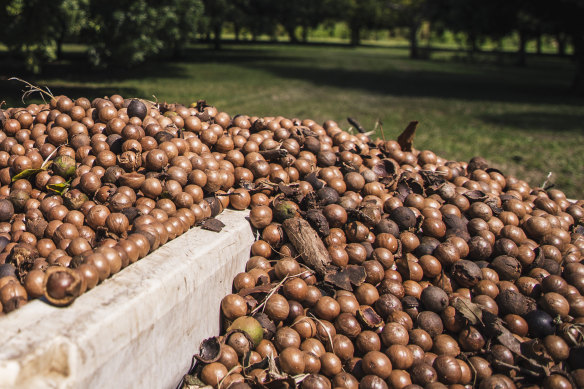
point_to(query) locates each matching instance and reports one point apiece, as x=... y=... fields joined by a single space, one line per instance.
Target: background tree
x=305 y=14
x=239 y=17
x=359 y=14
x=127 y=32
x=411 y=14
x=261 y=16
x=565 y=17
x=71 y=19
x=216 y=12
x=476 y=19
x=30 y=29
x=181 y=27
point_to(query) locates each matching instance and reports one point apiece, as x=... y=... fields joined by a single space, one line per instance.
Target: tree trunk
x=237 y=31
x=217 y=36
x=561 y=44
x=304 y=33
x=472 y=39
x=578 y=83
x=355 y=34
x=414 y=54
x=538 y=43
x=291 y=30
x=499 y=51
x=521 y=54
x=60 y=48
x=177 y=51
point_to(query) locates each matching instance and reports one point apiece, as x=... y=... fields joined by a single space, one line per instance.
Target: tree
x=35 y=29
x=180 y=28
x=258 y=16
x=359 y=14
x=216 y=12
x=301 y=13
x=565 y=17
x=127 y=32
x=71 y=19
x=411 y=14
x=474 y=18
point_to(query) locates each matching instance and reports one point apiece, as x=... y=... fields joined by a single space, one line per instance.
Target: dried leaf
x=212 y=224
x=406 y=138
x=356 y=124
x=535 y=349
x=193 y=382
x=492 y=169
x=472 y=312
x=432 y=179
x=494 y=328
x=267 y=324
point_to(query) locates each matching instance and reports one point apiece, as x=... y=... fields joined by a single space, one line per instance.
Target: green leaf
x=60 y=188
x=26 y=173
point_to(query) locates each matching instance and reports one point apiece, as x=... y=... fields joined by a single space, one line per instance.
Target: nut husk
x=466 y=273
x=62 y=285
x=64 y=166
x=513 y=302
x=507 y=267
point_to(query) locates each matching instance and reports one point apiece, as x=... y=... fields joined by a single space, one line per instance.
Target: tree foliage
x=305 y=14
x=32 y=29
x=127 y=32
x=359 y=14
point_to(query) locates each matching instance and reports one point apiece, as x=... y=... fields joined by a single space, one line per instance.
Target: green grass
x=523 y=120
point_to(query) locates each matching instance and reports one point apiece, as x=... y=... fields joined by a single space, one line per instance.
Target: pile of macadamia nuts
x=435 y=274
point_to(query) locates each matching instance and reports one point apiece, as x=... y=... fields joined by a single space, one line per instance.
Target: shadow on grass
x=474 y=82
x=486 y=86
x=538 y=121
x=545 y=81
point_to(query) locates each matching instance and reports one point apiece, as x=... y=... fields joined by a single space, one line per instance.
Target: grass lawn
x=523 y=120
